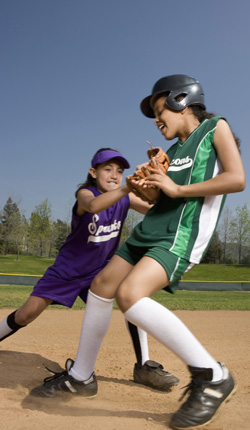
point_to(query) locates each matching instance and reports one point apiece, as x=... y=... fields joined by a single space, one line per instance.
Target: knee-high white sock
x=5 y=329
x=163 y=325
x=140 y=342
x=95 y=324
x=143 y=339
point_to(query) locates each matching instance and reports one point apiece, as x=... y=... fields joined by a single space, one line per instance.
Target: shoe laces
x=195 y=387
x=55 y=375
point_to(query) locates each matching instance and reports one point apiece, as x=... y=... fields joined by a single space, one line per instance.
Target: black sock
x=12 y=325
x=136 y=342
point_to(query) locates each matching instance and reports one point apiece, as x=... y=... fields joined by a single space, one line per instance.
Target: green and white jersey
x=185 y=226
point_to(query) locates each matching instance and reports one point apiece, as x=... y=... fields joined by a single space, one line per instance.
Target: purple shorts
x=61 y=291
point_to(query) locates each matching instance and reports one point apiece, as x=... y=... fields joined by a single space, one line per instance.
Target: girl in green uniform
x=174 y=235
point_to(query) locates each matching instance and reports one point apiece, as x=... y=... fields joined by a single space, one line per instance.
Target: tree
x=246 y=260
x=224 y=231
x=240 y=229
x=58 y=233
x=12 y=228
x=62 y=230
x=18 y=233
x=214 y=252
x=40 y=227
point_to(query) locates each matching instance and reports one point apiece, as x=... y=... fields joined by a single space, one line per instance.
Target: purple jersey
x=93 y=240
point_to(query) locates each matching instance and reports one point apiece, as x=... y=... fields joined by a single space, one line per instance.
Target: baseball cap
x=107 y=155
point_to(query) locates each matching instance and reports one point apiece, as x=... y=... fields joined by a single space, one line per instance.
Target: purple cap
x=107 y=155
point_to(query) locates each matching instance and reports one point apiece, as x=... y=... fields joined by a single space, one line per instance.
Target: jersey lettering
x=180 y=163
x=109 y=231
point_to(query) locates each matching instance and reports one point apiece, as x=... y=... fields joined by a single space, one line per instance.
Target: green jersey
x=185 y=226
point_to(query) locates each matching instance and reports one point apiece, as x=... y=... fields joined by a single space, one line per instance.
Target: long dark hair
x=200 y=113
x=90 y=181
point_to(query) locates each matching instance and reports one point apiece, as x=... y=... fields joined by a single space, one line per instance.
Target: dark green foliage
x=215 y=251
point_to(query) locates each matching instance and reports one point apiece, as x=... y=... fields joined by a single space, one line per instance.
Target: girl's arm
x=87 y=202
x=138 y=204
x=231 y=180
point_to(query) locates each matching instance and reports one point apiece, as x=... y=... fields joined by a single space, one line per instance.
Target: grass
x=25 y=265
x=218 y=272
x=28 y=265
x=205 y=300
x=13 y=296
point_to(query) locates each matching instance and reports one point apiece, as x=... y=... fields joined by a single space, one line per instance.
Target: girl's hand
x=147 y=193
x=164 y=183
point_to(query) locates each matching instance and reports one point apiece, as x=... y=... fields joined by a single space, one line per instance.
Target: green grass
x=13 y=296
x=29 y=265
x=218 y=272
x=205 y=300
x=25 y=265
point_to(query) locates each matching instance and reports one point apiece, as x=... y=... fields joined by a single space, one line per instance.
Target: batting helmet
x=175 y=86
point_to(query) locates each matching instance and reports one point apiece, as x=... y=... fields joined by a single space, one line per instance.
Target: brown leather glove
x=158 y=159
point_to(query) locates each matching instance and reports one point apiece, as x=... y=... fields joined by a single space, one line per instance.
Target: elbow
x=242 y=187
x=93 y=209
x=240 y=184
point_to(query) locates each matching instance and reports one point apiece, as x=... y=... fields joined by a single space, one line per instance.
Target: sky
x=73 y=74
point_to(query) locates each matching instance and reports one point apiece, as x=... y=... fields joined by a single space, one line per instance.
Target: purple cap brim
x=104 y=156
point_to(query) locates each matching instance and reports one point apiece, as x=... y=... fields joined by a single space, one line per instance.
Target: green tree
x=246 y=260
x=19 y=233
x=224 y=231
x=40 y=227
x=58 y=233
x=215 y=251
x=240 y=229
x=12 y=233
x=62 y=230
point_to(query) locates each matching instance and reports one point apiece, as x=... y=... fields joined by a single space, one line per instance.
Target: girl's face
x=108 y=175
x=167 y=121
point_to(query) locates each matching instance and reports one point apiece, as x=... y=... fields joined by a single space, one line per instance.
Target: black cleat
x=63 y=382
x=152 y=375
x=205 y=398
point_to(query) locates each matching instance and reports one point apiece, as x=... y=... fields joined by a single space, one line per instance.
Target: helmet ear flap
x=176 y=100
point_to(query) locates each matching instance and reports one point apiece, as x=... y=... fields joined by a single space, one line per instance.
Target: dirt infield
x=120 y=403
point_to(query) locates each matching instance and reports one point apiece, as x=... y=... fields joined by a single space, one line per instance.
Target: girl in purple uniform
x=98 y=215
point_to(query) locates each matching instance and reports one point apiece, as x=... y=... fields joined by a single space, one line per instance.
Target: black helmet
x=175 y=85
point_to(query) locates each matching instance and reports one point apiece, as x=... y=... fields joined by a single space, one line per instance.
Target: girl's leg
x=140 y=342
x=147 y=277
x=95 y=325
x=97 y=316
x=211 y=382
x=23 y=316
x=164 y=326
x=146 y=371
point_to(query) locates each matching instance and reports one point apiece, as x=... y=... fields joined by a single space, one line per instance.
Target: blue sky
x=73 y=74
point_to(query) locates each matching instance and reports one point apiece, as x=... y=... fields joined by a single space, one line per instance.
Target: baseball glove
x=158 y=159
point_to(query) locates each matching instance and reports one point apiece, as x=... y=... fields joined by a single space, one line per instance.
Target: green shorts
x=174 y=266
